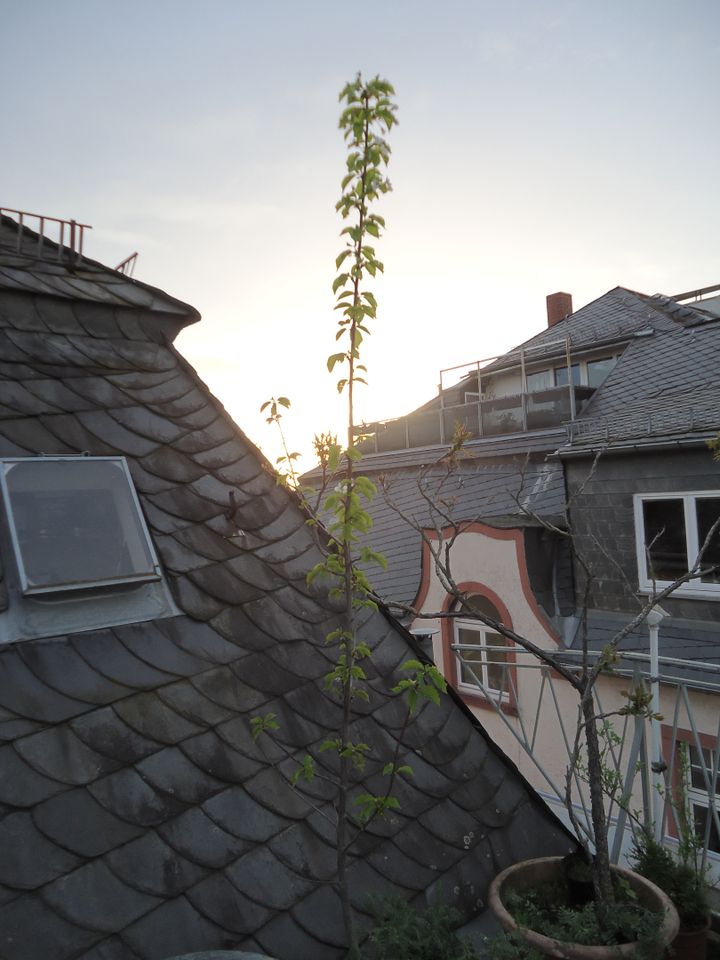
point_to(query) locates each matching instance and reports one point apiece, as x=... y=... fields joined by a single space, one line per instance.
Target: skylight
x=75 y=524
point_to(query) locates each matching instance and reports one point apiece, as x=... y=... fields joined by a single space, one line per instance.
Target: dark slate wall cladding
x=140 y=818
x=602 y=511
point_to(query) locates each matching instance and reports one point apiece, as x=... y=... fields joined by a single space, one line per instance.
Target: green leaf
x=333 y=359
x=339 y=281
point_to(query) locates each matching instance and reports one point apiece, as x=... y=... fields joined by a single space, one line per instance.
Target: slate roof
x=139 y=818
x=617 y=315
x=664 y=387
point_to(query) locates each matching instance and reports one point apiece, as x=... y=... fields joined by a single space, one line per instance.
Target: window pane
x=561 y=375
x=597 y=370
x=700 y=816
x=665 y=538
x=496 y=678
x=708 y=511
x=76 y=523
x=700 y=768
x=474 y=657
x=477 y=603
x=539 y=381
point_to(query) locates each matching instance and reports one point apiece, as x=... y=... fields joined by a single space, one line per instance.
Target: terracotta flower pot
x=535 y=873
x=691 y=944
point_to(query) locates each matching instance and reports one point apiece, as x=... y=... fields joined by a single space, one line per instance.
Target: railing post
x=523 y=389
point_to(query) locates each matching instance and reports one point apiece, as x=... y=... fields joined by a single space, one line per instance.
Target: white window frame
x=698 y=796
x=693 y=588
x=487 y=638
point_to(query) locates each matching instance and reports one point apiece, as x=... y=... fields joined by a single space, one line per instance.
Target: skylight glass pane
x=75 y=523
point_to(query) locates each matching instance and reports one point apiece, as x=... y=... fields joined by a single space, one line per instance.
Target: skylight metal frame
x=71 y=588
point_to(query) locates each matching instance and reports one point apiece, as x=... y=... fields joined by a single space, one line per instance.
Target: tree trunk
x=602 y=880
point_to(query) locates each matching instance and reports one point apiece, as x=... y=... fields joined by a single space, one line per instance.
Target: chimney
x=559 y=306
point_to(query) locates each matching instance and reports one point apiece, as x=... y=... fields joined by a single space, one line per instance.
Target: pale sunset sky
x=543 y=145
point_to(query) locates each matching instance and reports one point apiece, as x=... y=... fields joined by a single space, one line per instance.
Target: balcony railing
x=542 y=409
x=543 y=726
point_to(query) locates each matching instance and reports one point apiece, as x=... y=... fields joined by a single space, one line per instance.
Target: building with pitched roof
x=154 y=600
x=599 y=426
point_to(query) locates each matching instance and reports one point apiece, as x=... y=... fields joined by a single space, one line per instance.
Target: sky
x=543 y=145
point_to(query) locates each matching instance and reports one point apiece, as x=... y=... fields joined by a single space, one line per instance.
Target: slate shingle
x=62 y=669
x=60 y=754
x=224 y=688
x=28 y=859
x=24 y=694
x=171 y=771
x=187 y=700
x=75 y=821
x=221 y=902
x=243 y=816
x=153 y=646
x=84 y=895
x=320 y=916
x=150 y=717
x=149 y=865
x=20 y=784
x=201 y=839
x=172 y=929
x=266 y=880
x=284 y=930
x=52 y=936
x=129 y=797
x=105 y=732
x=304 y=852
x=104 y=653
x=213 y=756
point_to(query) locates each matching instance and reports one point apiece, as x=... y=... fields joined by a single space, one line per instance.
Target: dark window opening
x=708 y=513
x=665 y=539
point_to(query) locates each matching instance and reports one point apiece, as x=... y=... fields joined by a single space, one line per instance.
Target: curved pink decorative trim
x=475 y=526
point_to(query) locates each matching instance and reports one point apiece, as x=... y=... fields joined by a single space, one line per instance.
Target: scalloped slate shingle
x=141 y=819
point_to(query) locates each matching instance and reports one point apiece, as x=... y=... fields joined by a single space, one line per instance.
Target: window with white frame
x=701 y=784
x=671 y=530
x=478 y=662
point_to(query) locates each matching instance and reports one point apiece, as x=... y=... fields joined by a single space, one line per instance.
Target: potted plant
x=546 y=905
x=683 y=880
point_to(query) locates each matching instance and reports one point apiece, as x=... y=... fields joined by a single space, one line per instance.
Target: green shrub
x=680 y=880
x=401 y=933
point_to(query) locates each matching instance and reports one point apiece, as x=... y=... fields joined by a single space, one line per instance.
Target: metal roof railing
x=689 y=418
x=69 y=235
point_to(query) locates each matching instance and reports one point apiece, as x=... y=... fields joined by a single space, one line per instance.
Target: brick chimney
x=559 y=306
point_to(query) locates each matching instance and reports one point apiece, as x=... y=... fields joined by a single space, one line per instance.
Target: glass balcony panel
x=503 y=415
x=466 y=415
x=391 y=436
x=547 y=408
x=424 y=429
